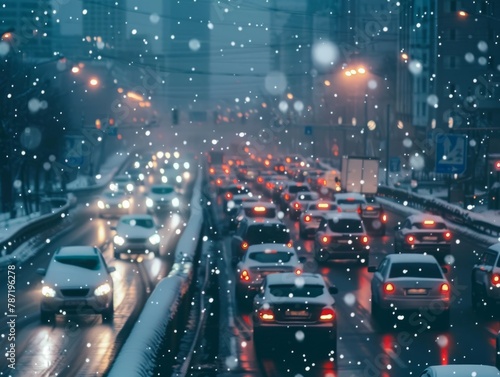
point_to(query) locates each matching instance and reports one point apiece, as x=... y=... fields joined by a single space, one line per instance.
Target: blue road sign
x=308 y=130
x=394 y=164
x=451 y=153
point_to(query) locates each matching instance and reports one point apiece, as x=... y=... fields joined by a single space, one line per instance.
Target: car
x=257 y=231
x=259 y=182
x=122 y=182
x=286 y=305
x=310 y=218
x=349 y=201
x=423 y=233
x=274 y=185
x=114 y=203
x=373 y=216
x=161 y=198
x=460 y=370
x=341 y=236
x=485 y=279
x=233 y=209
x=136 y=234
x=290 y=192
x=405 y=283
x=230 y=191
x=300 y=202
x=221 y=181
x=137 y=172
x=262 y=260
x=77 y=281
x=256 y=210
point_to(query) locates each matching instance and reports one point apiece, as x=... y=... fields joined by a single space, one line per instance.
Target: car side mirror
x=372 y=269
x=111 y=269
x=333 y=290
x=41 y=271
x=302 y=259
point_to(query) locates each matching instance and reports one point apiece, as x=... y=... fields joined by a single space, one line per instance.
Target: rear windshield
x=144 y=223
x=433 y=225
x=89 y=262
x=271 y=257
x=269 y=213
x=162 y=190
x=268 y=233
x=296 y=189
x=292 y=290
x=350 y=201
x=415 y=270
x=345 y=226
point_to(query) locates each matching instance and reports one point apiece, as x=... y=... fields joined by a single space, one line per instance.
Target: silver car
x=136 y=234
x=410 y=283
x=77 y=281
x=460 y=370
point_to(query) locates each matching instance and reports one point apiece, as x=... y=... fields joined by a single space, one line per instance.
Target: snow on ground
x=10 y=226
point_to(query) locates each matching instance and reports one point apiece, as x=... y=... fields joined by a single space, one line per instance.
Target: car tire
x=320 y=257
x=109 y=314
x=47 y=317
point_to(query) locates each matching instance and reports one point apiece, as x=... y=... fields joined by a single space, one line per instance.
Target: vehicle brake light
x=219 y=181
x=350 y=199
x=266 y=315
x=298 y=271
x=229 y=196
x=327 y=314
x=364 y=239
x=384 y=218
x=289 y=244
x=389 y=288
x=286 y=197
x=244 y=245
x=245 y=276
x=212 y=171
x=260 y=179
x=447 y=236
x=428 y=222
x=445 y=288
x=495 y=280
x=325 y=240
x=410 y=239
x=359 y=210
x=339 y=209
x=296 y=205
x=259 y=209
x=307 y=218
x=323 y=206
x=369 y=208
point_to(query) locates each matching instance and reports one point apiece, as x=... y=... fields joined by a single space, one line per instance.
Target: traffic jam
x=295 y=233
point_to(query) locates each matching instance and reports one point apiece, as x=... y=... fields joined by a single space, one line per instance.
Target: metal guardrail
x=440 y=207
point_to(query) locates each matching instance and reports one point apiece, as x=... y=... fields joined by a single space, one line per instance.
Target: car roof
x=77 y=250
x=464 y=370
x=421 y=217
x=411 y=258
x=137 y=216
x=270 y=246
x=355 y=195
x=264 y=221
x=341 y=215
x=291 y=278
x=259 y=204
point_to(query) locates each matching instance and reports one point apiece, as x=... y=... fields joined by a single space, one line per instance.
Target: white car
x=349 y=201
x=460 y=370
x=77 y=281
x=311 y=217
x=407 y=283
x=122 y=182
x=114 y=203
x=262 y=260
x=162 y=197
x=136 y=234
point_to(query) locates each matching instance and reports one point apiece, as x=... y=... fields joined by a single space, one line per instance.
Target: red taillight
x=219 y=182
x=444 y=289
x=327 y=314
x=296 y=205
x=339 y=209
x=212 y=171
x=298 y=271
x=266 y=315
x=359 y=211
x=389 y=288
x=245 y=276
x=495 y=280
x=384 y=218
x=229 y=196
x=321 y=182
x=447 y=236
x=244 y=245
x=307 y=218
x=289 y=244
x=325 y=240
x=364 y=239
x=410 y=239
x=260 y=180
x=286 y=197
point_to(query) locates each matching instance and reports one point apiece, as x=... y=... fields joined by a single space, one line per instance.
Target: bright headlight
x=149 y=202
x=178 y=179
x=175 y=202
x=103 y=289
x=186 y=165
x=155 y=239
x=100 y=204
x=141 y=177
x=113 y=186
x=176 y=165
x=126 y=204
x=48 y=291
x=118 y=240
x=164 y=179
x=186 y=175
x=130 y=187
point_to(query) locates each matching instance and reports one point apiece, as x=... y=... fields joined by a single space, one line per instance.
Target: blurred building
x=104 y=24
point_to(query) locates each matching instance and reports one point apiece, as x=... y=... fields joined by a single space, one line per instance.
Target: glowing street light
x=75 y=69
x=463 y=13
x=93 y=81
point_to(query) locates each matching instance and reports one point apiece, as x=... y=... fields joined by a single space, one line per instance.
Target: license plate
x=430 y=238
x=342 y=241
x=416 y=291
x=296 y=313
x=73 y=303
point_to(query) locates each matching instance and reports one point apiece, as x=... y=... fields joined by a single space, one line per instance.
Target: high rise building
x=104 y=24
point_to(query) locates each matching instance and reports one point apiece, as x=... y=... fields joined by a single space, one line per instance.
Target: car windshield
x=296 y=189
x=429 y=225
x=162 y=190
x=415 y=270
x=268 y=213
x=143 y=223
x=345 y=226
x=268 y=233
x=350 y=201
x=89 y=262
x=293 y=290
x=272 y=256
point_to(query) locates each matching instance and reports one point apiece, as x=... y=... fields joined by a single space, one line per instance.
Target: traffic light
x=175 y=116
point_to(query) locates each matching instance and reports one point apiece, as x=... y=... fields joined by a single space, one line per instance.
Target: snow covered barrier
x=138 y=355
